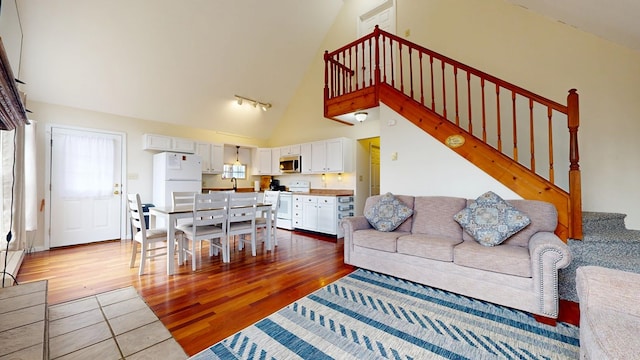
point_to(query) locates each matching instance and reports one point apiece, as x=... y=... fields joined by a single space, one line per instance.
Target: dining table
x=173 y=213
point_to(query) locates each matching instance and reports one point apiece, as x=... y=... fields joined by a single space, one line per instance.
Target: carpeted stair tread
x=606 y=242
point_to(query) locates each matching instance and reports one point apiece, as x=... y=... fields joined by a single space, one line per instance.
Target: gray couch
x=431 y=248
x=609 y=313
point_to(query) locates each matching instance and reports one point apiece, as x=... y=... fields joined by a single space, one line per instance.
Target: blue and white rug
x=366 y=315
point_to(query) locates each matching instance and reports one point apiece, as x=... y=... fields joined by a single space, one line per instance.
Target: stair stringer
x=510 y=173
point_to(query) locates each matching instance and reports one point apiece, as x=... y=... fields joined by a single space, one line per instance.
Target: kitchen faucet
x=235 y=183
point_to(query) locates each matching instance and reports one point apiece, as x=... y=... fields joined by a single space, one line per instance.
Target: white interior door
x=382 y=14
x=374 y=154
x=85 y=206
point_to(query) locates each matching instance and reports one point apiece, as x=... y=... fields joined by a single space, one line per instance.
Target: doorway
x=84 y=174
x=368 y=171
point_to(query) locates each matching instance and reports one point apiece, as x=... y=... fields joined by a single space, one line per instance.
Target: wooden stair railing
x=445 y=97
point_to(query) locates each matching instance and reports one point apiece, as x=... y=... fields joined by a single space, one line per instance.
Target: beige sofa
x=609 y=313
x=431 y=248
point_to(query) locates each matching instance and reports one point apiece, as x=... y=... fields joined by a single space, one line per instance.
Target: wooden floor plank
x=203 y=307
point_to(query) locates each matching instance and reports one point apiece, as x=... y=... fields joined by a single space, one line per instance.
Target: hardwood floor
x=203 y=307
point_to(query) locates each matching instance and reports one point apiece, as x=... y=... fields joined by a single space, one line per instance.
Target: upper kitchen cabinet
x=331 y=156
x=305 y=155
x=290 y=150
x=275 y=161
x=212 y=157
x=168 y=143
x=262 y=161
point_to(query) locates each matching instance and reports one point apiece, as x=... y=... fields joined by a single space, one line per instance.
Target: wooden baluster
x=339 y=76
x=444 y=92
x=484 y=113
x=433 y=99
x=364 y=66
x=377 y=62
x=470 y=129
x=411 y=71
x=532 y=137
x=515 y=127
x=384 y=58
x=350 y=67
x=401 y=68
x=393 y=79
x=550 y=130
x=421 y=82
x=455 y=79
x=499 y=125
x=371 y=67
x=326 y=76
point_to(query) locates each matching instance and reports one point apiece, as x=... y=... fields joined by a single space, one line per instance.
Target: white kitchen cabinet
x=327 y=219
x=275 y=161
x=290 y=150
x=331 y=156
x=320 y=213
x=310 y=213
x=212 y=157
x=168 y=143
x=306 y=158
x=263 y=161
x=297 y=211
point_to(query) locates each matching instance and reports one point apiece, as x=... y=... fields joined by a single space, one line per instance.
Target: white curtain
x=83 y=172
x=13 y=190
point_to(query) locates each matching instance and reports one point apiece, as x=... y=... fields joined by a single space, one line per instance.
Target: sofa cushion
x=505 y=259
x=388 y=213
x=405 y=199
x=543 y=216
x=426 y=246
x=491 y=220
x=433 y=216
x=378 y=240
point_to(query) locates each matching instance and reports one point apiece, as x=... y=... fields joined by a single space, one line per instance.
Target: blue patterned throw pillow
x=491 y=220
x=388 y=213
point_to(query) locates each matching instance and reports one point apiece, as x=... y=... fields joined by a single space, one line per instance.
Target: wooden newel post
x=376 y=72
x=575 y=187
x=326 y=80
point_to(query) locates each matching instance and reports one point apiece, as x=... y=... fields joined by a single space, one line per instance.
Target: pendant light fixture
x=237 y=155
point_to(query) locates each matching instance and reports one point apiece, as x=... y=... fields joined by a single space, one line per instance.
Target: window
x=238 y=171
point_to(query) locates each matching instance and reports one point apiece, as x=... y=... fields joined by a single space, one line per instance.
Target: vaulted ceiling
x=182 y=61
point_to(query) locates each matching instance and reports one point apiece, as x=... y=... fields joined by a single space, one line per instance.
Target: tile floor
x=112 y=325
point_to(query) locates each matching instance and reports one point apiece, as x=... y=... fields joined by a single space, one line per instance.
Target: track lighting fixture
x=255 y=103
x=361 y=116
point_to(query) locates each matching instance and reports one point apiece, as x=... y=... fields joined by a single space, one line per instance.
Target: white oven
x=285 y=210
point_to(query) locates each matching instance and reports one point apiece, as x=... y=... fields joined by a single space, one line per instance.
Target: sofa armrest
x=349 y=225
x=548 y=255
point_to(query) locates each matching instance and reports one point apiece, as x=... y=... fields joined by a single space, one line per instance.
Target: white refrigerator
x=174 y=172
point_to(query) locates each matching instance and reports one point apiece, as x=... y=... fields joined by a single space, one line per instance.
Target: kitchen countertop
x=240 y=189
x=328 y=192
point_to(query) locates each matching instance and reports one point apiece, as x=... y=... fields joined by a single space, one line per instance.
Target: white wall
x=424 y=166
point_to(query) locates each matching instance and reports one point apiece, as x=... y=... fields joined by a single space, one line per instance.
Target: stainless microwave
x=290 y=164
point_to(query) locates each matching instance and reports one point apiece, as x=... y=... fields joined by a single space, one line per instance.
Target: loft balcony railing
x=535 y=132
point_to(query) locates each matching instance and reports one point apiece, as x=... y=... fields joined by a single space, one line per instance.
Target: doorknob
x=116 y=192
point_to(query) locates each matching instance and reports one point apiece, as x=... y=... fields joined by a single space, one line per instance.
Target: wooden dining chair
x=242 y=219
x=147 y=238
x=209 y=223
x=182 y=198
x=273 y=198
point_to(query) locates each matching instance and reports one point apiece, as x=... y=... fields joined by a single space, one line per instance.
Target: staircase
x=606 y=242
x=488 y=121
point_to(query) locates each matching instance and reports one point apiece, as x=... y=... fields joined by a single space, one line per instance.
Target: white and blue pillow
x=388 y=213
x=491 y=220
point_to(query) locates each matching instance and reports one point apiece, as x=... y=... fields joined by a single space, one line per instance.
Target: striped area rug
x=367 y=315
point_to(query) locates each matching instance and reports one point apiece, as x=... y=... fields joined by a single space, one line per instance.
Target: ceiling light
x=255 y=103
x=237 y=155
x=361 y=116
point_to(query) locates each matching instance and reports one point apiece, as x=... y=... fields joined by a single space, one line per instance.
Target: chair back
x=273 y=198
x=182 y=198
x=210 y=209
x=138 y=221
x=242 y=207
